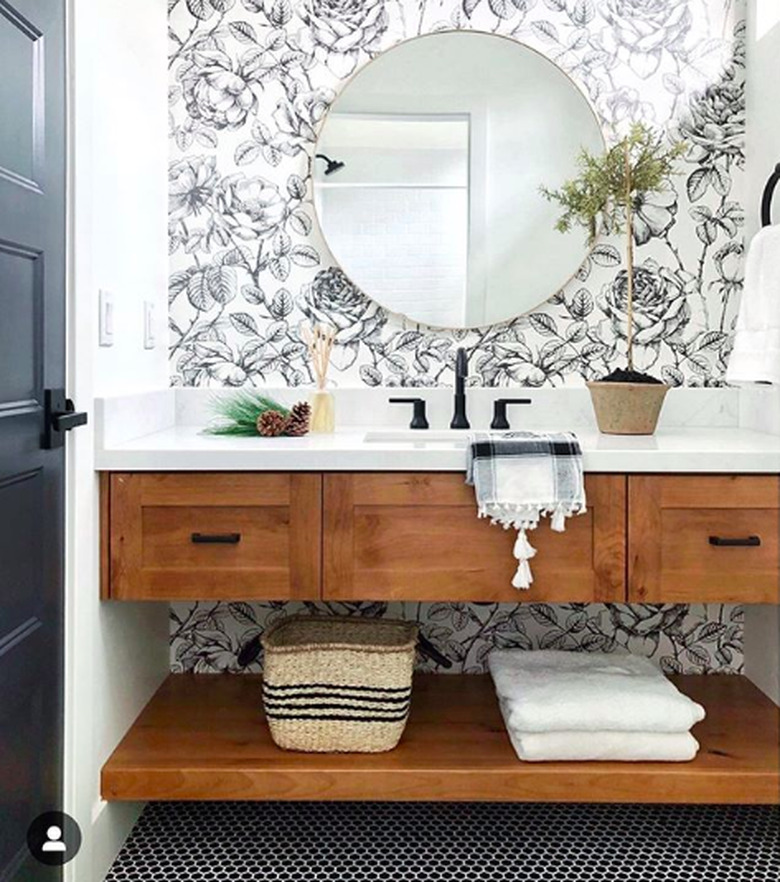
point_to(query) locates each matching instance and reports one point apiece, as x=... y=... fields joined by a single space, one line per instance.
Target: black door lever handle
x=64 y=422
x=60 y=416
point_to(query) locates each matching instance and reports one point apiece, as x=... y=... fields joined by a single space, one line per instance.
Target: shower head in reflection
x=332 y=165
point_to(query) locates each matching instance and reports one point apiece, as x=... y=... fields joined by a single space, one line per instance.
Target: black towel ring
x=766 y=199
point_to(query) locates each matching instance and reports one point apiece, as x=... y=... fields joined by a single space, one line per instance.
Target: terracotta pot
x=627 y=408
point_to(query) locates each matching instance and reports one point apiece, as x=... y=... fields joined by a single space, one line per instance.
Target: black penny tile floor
x=450 y=842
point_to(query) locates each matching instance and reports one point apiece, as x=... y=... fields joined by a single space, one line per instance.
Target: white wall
x=116 y=655
x=129 y=196
x=761 y=407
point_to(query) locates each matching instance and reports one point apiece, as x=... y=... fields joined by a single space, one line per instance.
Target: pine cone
x=271 y=423
x=298 y=421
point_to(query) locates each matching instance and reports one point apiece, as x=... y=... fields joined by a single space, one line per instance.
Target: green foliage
x=238 y=414
x=601 y=197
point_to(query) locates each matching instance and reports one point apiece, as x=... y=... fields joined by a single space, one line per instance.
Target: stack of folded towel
x=592 y=706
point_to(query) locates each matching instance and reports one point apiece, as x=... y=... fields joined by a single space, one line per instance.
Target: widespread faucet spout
x=459 y=418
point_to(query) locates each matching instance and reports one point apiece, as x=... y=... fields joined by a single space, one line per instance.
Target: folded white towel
x=667 y=747
x=552 y=691
x=756 y=353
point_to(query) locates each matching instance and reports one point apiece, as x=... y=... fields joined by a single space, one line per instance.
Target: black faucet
x=459 y=419
x=419 y=420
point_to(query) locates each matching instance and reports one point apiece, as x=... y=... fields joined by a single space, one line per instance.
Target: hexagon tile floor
x=450 y=842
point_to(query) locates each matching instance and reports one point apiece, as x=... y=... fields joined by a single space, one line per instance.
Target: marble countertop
x=187 y=448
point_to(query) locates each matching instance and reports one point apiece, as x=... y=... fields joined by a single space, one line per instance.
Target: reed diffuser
x=320 y=339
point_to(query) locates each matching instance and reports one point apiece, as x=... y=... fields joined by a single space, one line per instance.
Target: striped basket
x=338 y=684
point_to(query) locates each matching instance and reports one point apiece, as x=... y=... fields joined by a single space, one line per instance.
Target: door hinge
x=60 y=416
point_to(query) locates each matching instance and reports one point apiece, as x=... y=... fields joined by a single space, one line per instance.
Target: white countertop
x=186 y=448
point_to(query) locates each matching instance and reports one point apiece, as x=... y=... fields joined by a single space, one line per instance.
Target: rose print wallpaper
x=250 y=81
x=457 y=637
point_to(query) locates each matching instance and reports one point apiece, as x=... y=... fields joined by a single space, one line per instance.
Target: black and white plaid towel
x=521 y=476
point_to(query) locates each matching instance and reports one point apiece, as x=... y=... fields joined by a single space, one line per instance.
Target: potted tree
x=602 y=199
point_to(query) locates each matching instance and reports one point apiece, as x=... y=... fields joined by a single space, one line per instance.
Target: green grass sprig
x=237 y=415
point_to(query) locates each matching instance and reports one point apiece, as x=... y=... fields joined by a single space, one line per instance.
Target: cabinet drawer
x=416 y=536
x=704 y=538
x=176 y=536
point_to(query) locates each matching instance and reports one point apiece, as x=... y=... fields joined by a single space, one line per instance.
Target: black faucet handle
x=419 y=420
x=499 y=411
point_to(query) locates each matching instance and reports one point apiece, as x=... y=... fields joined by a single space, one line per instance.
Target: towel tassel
x=558 y=520
x=523 y=552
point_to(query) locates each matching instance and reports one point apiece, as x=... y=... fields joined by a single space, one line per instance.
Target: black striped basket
x=338 y=684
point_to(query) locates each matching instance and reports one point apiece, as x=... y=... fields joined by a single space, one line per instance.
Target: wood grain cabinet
x=416 y=536
x=202 y=536
x=703 y=538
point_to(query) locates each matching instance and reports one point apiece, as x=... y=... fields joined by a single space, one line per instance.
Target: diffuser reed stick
x=320 y=340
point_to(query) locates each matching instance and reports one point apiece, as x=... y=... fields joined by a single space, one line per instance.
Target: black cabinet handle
x=737 y=542
x=499 y=411
x=216 y=538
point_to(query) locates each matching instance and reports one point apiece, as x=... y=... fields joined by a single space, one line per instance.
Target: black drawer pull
x=216 y=538
x=741 y=542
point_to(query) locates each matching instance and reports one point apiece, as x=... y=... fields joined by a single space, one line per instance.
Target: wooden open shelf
x=203 y=737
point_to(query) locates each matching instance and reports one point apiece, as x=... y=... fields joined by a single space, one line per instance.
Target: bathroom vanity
x=415 y=536
x=229 y=522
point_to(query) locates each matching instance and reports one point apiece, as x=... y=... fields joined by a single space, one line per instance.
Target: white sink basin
x=422 y=437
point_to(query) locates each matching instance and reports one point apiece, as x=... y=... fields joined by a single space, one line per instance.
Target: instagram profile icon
x=54 y=838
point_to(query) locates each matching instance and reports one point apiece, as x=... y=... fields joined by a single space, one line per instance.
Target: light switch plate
x=105 y=318
x=149 y=337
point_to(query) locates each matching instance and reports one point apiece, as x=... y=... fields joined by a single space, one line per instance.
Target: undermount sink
x=454 y=437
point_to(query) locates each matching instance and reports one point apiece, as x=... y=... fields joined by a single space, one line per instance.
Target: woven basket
x=338 y=684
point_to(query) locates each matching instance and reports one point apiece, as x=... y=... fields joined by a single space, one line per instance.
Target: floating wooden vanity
x=415 y=536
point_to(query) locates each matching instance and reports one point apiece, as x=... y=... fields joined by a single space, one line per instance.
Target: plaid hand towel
x=522 y=476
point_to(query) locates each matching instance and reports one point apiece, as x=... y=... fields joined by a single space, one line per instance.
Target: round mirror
x=428 y=174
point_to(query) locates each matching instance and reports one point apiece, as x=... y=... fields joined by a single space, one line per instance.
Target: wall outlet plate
x=105 y=318
x=150 y=340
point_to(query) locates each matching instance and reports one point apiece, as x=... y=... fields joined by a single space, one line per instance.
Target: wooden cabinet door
x=226 y=535
x=416 y=536
x=703 y=538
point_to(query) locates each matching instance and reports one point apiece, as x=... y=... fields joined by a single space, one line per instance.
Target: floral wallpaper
x=250 y=81
x=457 y=637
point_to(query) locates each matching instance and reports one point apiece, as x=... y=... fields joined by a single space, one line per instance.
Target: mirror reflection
x=428 y=172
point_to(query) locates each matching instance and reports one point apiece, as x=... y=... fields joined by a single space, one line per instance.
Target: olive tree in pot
x=602 y=199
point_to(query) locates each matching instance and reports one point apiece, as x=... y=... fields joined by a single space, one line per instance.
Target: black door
x=32 y=358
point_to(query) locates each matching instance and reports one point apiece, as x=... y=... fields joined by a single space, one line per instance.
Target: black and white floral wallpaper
x=250 y=81
x=457 y=637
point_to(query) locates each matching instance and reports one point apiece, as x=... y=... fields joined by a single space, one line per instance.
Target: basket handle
x=431 y=652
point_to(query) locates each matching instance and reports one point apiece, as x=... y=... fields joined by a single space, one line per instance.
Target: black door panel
x=32 y=358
